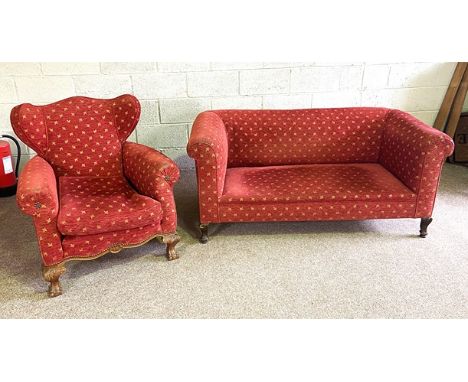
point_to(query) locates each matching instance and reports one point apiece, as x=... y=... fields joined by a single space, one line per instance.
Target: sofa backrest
x=305 y=136
x=79 y=136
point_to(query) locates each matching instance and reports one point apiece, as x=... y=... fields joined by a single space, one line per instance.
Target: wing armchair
x=89 y=191
x=315 y=164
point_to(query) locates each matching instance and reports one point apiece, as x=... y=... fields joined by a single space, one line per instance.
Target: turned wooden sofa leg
x=423 y=228
x=204 y=233
x=52 y=274
x=171 y=242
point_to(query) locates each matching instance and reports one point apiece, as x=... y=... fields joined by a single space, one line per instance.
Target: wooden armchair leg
x=171 y=242
x=424 y=224
x=52 y=274
x=204 y=233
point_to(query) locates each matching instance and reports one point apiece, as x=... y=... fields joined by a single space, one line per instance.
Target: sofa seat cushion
x=313 y=183
x=92 y=205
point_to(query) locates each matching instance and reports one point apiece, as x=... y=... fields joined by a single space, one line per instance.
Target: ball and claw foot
x=423 y=228
x=171 y=242
x=52 y=275
x=204 y=233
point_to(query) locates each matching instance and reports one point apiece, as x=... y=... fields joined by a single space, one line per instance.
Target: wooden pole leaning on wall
x=450 y=96
x=457 y=107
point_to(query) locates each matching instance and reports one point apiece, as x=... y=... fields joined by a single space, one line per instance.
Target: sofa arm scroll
x=415 y=153
x=208 y=146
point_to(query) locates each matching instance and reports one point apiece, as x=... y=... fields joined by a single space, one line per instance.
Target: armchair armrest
x=208 y=146
x=153 y=174
x=37 y=196
x=415 y=152
x=37 y=189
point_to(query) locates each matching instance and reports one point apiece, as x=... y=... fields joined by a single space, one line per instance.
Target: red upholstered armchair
x=89 y=191
x=315 y=164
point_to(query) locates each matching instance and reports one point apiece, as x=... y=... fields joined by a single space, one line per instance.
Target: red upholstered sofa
x=89 y=191
x=315 y=164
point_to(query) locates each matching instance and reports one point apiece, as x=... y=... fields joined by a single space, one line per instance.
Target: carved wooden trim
x=52 y=274
x=171 y=241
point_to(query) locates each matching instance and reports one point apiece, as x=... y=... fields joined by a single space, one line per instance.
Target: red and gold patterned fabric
x=90 y=205
x=313 y=183
x=415 y=152
x=315 y=164
x=208 y=145
x=76 y=189
x=154 y=175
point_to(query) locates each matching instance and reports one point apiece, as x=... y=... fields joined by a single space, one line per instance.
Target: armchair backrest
x=306 y=136
x=79 y=136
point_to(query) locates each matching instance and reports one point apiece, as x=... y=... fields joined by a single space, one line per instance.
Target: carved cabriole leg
x=204 y=233
x=52 y=274
x=171 y=242
x=423 y=228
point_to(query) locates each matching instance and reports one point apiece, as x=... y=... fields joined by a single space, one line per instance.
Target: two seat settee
x=315 y=164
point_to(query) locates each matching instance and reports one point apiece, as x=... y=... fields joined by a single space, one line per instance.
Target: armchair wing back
x=79 y=136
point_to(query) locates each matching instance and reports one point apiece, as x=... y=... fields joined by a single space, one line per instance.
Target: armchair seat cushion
x=313 y=183
x=92 y=205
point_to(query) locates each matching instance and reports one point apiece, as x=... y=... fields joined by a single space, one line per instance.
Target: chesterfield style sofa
x=88 y=190
x=315 y=164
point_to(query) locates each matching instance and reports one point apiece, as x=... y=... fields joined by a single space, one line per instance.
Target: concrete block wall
x=173 y=93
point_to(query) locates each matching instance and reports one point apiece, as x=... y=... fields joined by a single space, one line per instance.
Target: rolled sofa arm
x=37 y=189
x=208 y=146
x=154 y=175
x=415 y=152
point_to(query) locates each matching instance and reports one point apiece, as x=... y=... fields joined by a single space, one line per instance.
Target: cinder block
x=245 y=102
x=426 y=116
x=297 y=101
x=264 y=81
x=7 y=90
x=127 y=67
x=287 y=64
x=99 y=86
x=182 y=110
x=179 y=156
x=163 y=136
x=342 y=98
x=160 y=85
x=236 y=65
x=149 y=113
x=65 y=68
x=182 y=66
x=351 y=77
x=19 y=68
x=305 y=80
x=375 y=76
x=5 y=110
x=338 y=64
x=220 y=83
x=410 y=99
x=44 y=89
x=420 y=74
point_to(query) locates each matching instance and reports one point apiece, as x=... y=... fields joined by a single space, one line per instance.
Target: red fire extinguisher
x=8 y=175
